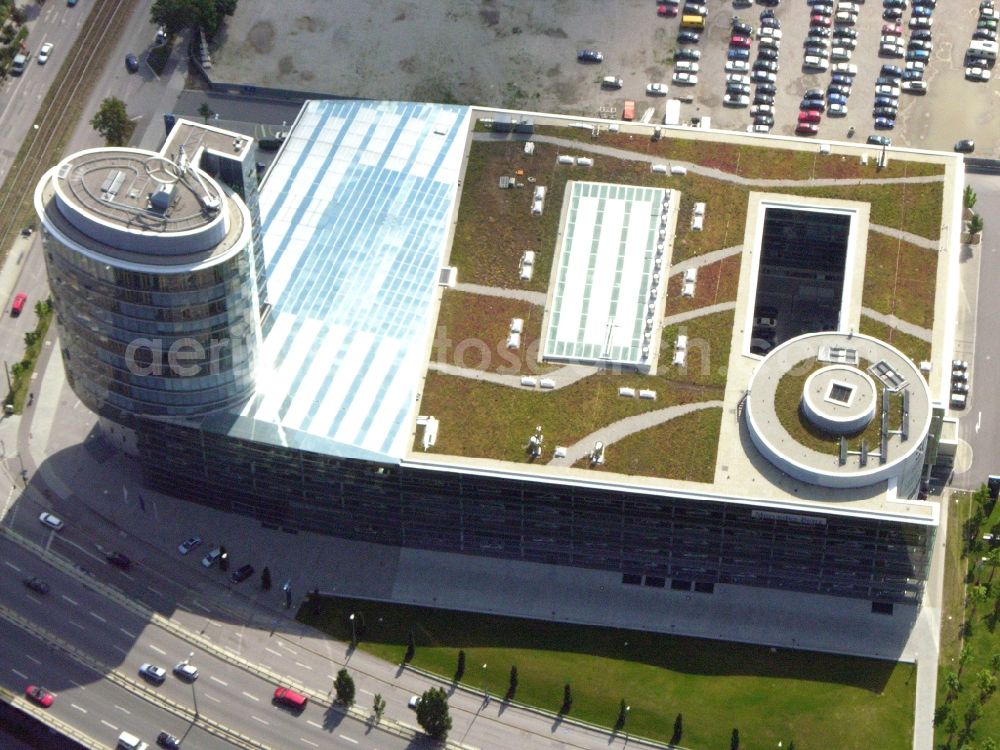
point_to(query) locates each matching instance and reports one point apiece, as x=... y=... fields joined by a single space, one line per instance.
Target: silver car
x=153 y=673
x=51 y=521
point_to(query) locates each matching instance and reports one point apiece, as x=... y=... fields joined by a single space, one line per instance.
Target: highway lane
x=91 y=704
x=114 y=636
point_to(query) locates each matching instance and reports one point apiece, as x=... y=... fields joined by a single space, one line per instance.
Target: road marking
x=84 y=550
x=160 y=651
x=127 y=576
x=130 y=635
x=254 y=697
x=97 y=617
x=345 y=737
x=238 y=635
x=272 y=651
x=78 y=708
x=304 y=666
x=37 y=661
x=109 y=725
x=76 y=625
x=120 y=650
x=211 y=698
x=979 y=422
x=156 y=591
x=213 y=678
x=22 y=675
x=303 y=739
x=78 y=685
x=69 y=600
x=314 y=724
x=199 y=605
x=257 y=718
x=123 y=710
x=289 y=650
x=9 y=564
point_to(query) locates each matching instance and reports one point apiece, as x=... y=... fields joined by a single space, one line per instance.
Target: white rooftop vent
x=516 y=325
x=645 y=393
x=529 y=149
x=112 y=184
x=627 y=392
x=547 y=383
x=160 y=200
x=597 y=455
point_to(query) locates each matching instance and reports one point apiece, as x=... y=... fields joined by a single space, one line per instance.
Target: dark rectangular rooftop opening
x=800 y=279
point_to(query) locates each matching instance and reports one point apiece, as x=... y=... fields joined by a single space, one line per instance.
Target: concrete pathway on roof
x=563 y=377
x=625 y=154
x=901 y=325
x=697 y=313
x=705 y=260
x=914 y=239
x=612 y=433
x=535 y=298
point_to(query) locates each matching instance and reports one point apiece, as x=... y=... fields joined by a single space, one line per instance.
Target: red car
x=667 y=11
x=892 y=29
x=740 y=41
x=809 y=116
x=806 y=128
x=818 y=20
x=39 y=695
x=20 y=300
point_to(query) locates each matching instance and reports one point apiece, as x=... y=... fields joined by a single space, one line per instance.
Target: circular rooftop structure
x=840 y=410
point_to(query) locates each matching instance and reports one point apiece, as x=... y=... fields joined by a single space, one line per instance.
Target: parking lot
x=525 y=56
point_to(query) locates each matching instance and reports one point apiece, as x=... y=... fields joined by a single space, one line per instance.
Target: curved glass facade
x=158 y=344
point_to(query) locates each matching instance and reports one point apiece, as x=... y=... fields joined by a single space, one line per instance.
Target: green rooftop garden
x=900 y=279
x=682 y=448
x=916 y=349
x=709 y=340
x=717 y=282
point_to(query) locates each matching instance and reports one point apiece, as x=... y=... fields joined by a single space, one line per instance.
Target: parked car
x=806 y=128
x=889 y=112
x=836 y=109
x=118 y=560
x=884 y=123
x=667 y=11
x=810 y=115
x=737 y=40
x=656 y=89
x=686 y=36
x=879 y=140
x=212 y=557
x=763 y=76
x=686 y=66
x=760 y=98
x=590 y=55
x=611 y=82
x=766 y=53
x=965 y=146
x=686 y=53
x=684 y=79
x=737 y=66
x=241 y=573
x=893 y=71
x=976 y=73
x=53 y=522
x=915 y=87
x=189 y=544
x=736 y=100
x=812 y=62
x=767 y=88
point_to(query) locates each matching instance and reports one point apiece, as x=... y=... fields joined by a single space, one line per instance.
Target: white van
x=983 y=48
x=128 y=741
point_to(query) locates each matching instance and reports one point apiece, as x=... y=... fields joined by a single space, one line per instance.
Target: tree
x=512 y=688
x=206 y=112
x=941 y=713
x=265 y=579
x=987 y=682
x=112 y=122
x=378 y=707
x=953 y=683
x=975 y=224
x=988 y=744
x=734 y=740
x=177 y=15
x=969 y=197
x=411 y=648
x=964 y=657
x=973 y=712
x=567 y=703
x=344 y=687
x=432 y=713
x=460 y=669
x=995 y=663
x=675 y=738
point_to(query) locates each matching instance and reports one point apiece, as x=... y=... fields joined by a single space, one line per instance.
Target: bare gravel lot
x=523 y=55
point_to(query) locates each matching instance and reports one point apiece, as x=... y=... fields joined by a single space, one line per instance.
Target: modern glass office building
x=347 y=419
x=154 y=279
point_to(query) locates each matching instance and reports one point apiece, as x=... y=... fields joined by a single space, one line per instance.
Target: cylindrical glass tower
x=151 y=266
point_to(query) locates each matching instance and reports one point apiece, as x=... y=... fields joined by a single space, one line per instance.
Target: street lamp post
x=486 y=693
x=194 y=694
x=354 y=632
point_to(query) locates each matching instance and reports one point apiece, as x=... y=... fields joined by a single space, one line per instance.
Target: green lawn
x=717 y=282
x=817 y=700
x=971 y=626
x=709 y=340
x=916 y=349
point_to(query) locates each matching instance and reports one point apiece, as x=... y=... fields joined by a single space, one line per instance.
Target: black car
x=742 y=28
x=965 y=146
x=764 y=120
x=893 y=71
x=763 y=98
x=167 y=740
x=767 y=88
x=924 y=35
x=119 y=560
x=987 y=35
x=813 y=94
x=766 y=53
x=589 y=55
x=769 y=65
x=131 y=63
x=37 y=585
x=818 y=31
x=889 y=112
x=838 y=88
x=685 y=36
x=879 y=140
x=241 y=574
x=687 y=54
x=892 y=14
x=769 y=21
x=816 y=105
